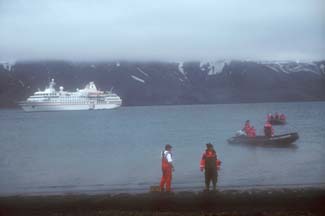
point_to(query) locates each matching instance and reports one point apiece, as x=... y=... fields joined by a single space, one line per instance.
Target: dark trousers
x=211 y=175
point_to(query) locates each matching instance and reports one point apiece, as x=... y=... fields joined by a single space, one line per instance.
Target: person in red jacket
x=167 y=168
x=247 y=127
x=268 y=130
x=252 y=132
x=210 y=164
x=282 y=117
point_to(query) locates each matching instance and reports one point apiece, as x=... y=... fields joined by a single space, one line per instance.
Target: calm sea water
x=119 y=150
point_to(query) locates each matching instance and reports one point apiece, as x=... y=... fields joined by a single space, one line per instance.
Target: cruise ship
x=88 y=98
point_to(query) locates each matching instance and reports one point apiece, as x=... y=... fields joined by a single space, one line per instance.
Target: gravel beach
x=293 y=201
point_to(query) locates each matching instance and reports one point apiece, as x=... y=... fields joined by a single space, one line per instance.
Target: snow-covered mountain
x=152 y=83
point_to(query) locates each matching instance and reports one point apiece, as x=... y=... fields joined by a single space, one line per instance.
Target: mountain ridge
x=167 y=83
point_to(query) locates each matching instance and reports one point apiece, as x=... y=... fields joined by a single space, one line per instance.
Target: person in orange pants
x=167 y=168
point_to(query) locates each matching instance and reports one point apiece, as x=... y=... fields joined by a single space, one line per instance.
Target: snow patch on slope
x=21 y=83
x=322 y=68
x=141 y=71
x=274 y=68
x=138 y=79
x=182 y=71
x=213 y=67
x=293 y=67
x=181 y=68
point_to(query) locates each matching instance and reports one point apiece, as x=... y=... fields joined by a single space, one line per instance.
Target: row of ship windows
x=73 y=97
x=76 y=101
x=41 y=94
x=80 y=102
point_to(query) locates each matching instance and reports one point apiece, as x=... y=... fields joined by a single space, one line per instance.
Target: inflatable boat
x=282 y=139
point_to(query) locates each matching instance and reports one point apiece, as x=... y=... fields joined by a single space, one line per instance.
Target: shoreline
x=134 y=191
x=285 y=201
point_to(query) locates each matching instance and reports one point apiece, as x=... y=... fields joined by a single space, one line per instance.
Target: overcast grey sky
x=168 y=30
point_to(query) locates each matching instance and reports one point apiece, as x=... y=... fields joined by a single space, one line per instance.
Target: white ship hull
x=41 y=107
x=88 y=98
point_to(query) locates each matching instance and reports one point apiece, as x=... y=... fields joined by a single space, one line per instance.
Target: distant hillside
x=158 y=83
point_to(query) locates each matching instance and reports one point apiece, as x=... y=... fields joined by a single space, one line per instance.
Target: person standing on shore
x=210 y=164
x=167 y=168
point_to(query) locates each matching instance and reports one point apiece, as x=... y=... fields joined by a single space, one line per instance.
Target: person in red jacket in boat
x=268 y=130
x=210 y=163
x=247 y=127
x=282 y=117
x=249 y=130
x=167 y=168
x=252 y=132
